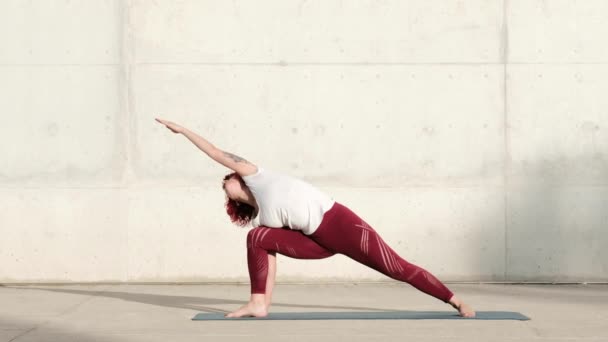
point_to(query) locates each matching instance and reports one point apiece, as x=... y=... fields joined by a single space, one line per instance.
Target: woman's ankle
x=258 y=298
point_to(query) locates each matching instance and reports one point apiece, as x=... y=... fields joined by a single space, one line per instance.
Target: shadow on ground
x=185 y=302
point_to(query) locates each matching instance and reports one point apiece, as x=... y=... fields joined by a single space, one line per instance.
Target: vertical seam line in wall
x=126 y=110
x=505 y=57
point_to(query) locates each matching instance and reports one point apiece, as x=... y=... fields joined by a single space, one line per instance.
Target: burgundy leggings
x=341 y=231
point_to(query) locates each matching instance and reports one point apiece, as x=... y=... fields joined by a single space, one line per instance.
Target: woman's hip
x=338 y=223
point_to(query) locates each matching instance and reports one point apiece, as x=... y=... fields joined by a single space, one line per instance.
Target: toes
x=232 y=314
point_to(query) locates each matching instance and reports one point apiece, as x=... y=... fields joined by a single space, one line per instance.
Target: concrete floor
x=163 y=313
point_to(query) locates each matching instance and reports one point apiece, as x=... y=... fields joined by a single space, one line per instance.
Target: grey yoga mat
x=483 y=315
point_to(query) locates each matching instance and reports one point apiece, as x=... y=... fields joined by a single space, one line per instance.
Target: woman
x=293 y=218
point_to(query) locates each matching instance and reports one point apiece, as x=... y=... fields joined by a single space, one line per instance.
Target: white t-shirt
x=285 y=201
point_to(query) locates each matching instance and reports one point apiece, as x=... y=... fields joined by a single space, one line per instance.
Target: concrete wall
x=471 y=134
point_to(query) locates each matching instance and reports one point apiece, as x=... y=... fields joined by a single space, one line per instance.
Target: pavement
x=136 y=312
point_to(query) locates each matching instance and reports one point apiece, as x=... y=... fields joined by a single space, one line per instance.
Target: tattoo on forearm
x=235 y=157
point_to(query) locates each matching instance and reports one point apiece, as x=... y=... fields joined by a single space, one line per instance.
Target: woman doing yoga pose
x=293 y=218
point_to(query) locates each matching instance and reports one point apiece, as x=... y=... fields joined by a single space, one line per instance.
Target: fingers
x=165 y=122
x=170 y=125
x=162 y=122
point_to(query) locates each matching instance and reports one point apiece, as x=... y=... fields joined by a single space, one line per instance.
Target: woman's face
x=232 y=188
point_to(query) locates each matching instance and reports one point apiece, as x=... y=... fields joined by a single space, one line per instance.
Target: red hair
x=240 y=213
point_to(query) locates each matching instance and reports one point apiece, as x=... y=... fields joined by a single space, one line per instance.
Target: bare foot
x=250 y=309
x=463 y=309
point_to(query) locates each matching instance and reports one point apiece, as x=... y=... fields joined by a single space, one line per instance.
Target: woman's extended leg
x=344 y=232
x=262 y=242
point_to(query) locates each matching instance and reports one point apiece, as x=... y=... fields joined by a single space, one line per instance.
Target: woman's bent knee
x=253 y=236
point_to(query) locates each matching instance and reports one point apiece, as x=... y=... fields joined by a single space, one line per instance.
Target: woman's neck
x=250 y=199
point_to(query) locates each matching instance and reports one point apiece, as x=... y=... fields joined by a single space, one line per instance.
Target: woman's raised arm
x=229 y=160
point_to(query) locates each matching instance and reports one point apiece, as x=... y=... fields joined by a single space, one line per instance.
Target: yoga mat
x=482 y=315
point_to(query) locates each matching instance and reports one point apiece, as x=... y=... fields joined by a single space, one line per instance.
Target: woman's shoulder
x=256 y=178
x=259 y=170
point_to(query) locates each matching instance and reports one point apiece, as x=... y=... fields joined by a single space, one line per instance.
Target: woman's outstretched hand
x=175 y=128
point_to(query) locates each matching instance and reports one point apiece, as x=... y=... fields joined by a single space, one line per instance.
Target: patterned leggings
x=341 y=231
